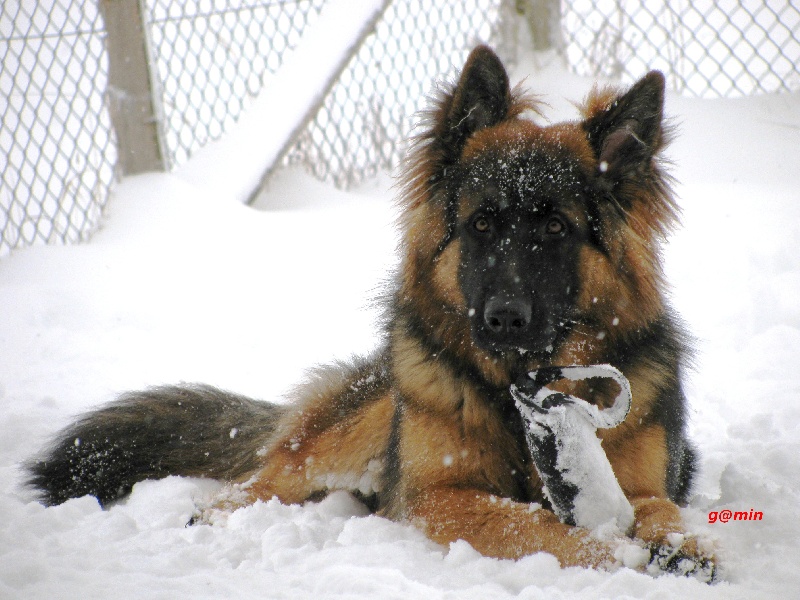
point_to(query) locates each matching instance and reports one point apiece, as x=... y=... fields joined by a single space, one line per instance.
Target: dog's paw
x=215 y=509
x=202 y=515
x=682 y=558
x=210 y=515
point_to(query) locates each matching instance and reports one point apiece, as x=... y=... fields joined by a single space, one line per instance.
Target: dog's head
x=543 y=239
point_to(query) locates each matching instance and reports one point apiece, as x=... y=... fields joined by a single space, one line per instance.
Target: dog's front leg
x=503 y=528
x=655 y=519
x=658 y=523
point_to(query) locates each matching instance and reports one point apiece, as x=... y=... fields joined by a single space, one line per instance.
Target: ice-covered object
x=561 y=433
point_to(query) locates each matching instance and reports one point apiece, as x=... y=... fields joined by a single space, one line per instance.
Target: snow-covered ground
x=184 y=285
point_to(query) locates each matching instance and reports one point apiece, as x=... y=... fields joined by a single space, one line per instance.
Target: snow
x=182 y=283
x=287 y=103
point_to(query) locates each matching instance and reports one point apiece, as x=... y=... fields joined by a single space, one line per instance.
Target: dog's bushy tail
x=190 y=430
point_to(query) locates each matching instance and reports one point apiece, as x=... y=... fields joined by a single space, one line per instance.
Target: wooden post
x=132 y=104
x=544 y=20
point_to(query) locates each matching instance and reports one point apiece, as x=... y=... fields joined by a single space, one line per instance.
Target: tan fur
x=445 y=276
x=503 y=528
x=451 y=449
x=655 y=518
x=348 y=455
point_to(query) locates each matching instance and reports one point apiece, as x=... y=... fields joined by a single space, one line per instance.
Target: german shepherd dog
x=523 y=246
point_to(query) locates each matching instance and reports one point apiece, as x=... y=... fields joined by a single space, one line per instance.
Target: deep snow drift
x=180 y=285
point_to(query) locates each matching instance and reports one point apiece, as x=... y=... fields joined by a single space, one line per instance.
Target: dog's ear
x=480 y=99
x=625 y=131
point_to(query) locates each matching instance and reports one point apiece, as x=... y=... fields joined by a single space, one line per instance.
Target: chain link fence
x=705 y=48
x=369 y=113
x=57 y=152
x=211 y=58
x=207 y=60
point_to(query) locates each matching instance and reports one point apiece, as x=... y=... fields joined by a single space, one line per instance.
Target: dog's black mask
x=520 y=255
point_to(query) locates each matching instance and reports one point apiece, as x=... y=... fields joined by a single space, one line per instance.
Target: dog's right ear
x=480 y=99
x=627 y=132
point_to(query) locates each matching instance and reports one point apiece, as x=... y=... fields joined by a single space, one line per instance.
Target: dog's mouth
x=512 y=335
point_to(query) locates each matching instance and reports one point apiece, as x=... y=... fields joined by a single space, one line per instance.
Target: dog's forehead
x=527 y=173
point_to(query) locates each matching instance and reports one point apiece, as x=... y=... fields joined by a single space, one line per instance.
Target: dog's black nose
x=504 y=315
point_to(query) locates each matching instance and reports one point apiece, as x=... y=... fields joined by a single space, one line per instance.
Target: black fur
x=516 y=261
x=626 y=136
x=196 y=431
x=482 y=98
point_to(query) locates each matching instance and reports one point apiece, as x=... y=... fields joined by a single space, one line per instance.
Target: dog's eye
x=555 y=226
x=481 y=224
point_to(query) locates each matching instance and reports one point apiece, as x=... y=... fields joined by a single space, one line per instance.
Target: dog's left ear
x=626 y=133
x=480 y=99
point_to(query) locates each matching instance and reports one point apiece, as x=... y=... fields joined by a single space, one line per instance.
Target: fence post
x=544 y=21
x=132 y=103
